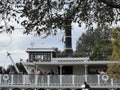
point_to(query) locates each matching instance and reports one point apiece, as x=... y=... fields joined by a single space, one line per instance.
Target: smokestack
x=68 y=38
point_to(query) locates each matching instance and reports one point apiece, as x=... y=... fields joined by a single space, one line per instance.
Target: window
x=40 y=57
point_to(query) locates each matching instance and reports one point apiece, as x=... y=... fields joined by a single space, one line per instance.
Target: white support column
x=85 y=78
x=60 y=80
x=51 y=55
x=85 y=69
x=36 y=68
x=73 y=80
x=11 y=79
x=10 y=88
x=86 y=73
x=112 y=82
x=48 y=80
x=60 y=69
x=23 y=79
x=60 y=75
x=36 y=80
x=98 y=76
x=0 y=80
x=35 y=88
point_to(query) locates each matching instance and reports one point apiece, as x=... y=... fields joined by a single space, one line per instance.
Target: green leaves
x=88 y=40
x=51 y=14
x=82 y=11
x=102 y=50
x=114 y=69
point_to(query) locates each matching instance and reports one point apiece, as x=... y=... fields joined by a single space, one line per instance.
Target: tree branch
x=111 y=4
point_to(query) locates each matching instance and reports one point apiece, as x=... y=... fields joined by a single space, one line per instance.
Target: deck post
x=112 y=82
x=85 y=69
x=85 y=78
x=98 y=76
x=73 y=80
x=48 y=80
x=36 y=78
x=60 y=69
x=35 y=88
x=24 y=79
x=86 y=73
x=12 y=79
x=10 y=88
x=60 y=80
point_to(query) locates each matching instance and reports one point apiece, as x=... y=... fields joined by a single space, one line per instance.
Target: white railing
x=57 y=81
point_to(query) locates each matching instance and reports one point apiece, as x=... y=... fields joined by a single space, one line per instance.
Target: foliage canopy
x=89 y=39
x=47 y=16
x=102 y=50
x=114 y=69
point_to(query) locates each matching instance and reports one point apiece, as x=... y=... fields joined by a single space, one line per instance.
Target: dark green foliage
x=102 y=50
x=88 y=40
x=19 y=66
x=47 y=16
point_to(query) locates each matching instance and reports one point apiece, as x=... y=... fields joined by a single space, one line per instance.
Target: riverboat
x=47 y=71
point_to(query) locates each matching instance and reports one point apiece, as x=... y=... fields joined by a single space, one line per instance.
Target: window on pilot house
x=40 y=57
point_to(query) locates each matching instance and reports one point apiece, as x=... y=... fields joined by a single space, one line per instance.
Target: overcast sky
x=17 y=43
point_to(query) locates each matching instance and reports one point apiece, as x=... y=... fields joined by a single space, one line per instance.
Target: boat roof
x=72 y=61
x=40 y=50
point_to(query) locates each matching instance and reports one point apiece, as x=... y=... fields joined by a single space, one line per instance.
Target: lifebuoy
x=105 y=77
x=5 y=77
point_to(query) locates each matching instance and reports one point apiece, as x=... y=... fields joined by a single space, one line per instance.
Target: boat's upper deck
x=48 y=56
x=69 y=61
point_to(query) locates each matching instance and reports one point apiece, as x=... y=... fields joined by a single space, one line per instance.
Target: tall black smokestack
x=68 y=38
